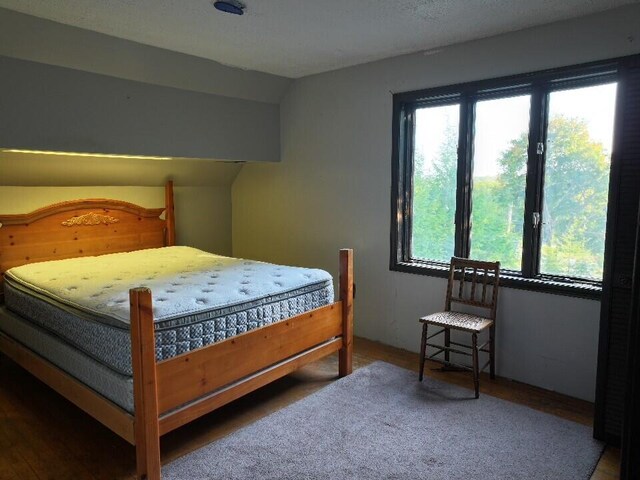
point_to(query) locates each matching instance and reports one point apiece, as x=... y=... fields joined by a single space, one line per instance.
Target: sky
x=501 y=120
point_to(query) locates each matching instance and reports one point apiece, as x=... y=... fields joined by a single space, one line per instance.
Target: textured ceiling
x=294 y=38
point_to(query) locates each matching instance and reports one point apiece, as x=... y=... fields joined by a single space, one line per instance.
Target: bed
x=143 y=352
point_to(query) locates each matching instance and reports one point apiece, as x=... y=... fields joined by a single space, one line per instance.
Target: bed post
x=170 y=216
x=346 y=296
x=145 y=393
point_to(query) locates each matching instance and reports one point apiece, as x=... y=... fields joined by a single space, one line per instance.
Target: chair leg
x=447 y=343
x=476 y=373
x=423 y=350
x=492 y=351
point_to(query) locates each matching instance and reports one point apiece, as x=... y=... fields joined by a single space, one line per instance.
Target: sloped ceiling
x=41 y=169
x=295 y=38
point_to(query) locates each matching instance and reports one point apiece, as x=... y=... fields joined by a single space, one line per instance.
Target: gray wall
x=332 y=189
x=47 y=107
x=43 y=41
x=67 y=89
x=64 y=88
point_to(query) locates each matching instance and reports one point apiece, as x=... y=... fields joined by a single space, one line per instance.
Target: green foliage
x=434 y=202
x=574 y=213
x=496 y=230
x=575 y=202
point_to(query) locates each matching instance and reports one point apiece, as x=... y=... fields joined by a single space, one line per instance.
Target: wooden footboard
x=173 y=392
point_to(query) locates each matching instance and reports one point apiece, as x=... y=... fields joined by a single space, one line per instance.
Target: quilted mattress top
x=184 y=281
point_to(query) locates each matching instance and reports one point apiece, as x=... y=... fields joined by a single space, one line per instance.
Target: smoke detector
x=229 y=6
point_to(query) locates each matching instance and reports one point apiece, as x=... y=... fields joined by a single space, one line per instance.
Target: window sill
x=571 y=288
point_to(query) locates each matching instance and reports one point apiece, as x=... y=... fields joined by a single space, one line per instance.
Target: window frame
x=539 y=85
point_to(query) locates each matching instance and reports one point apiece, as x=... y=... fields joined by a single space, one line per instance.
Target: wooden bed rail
x=195 y=374
x=346 y=296
x=169 y=215
x=172 y=392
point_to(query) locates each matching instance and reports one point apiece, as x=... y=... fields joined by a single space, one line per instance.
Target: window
x=513 y=169
x=434 y=194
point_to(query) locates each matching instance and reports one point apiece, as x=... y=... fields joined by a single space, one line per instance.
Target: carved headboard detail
x=90 y=218
x=79 y=228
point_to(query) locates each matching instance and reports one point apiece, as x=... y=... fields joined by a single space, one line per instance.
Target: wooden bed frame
x=172 y=392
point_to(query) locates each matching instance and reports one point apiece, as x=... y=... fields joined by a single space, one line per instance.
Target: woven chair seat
x=459 y=321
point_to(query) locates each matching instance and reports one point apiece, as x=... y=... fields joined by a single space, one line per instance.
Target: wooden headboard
x=80 y=228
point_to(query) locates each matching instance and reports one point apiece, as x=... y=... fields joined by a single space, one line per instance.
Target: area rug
x=381 y=423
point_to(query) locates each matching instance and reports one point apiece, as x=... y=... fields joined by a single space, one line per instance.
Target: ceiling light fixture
x=229 y=6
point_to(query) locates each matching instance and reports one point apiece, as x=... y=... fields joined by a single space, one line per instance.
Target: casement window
x=513 y=169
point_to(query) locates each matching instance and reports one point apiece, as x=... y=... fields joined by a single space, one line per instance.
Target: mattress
x=114 y=386
x=199 y=298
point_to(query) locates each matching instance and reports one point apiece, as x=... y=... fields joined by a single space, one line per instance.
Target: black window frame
x=539 y=85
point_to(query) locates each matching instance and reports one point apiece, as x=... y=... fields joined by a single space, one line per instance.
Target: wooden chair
x=474 y=283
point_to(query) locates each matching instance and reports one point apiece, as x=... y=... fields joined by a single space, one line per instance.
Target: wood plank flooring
x=43 y=436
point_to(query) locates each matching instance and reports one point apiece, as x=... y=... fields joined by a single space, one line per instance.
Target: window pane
x=434 y=182
x=576 y=181
x=499 y=179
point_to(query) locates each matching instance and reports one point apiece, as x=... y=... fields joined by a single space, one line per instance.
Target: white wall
x=332 y=189
x=202 y=189
x=206 y=228
x=37 y=169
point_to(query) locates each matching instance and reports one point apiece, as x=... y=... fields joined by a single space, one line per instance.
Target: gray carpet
x=380 y=422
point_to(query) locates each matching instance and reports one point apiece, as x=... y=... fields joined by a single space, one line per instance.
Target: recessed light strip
x=75 y=154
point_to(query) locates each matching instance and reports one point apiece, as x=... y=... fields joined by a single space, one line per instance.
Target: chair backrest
x=475 y=283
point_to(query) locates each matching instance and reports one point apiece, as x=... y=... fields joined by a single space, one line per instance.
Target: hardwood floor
x=42 y=436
